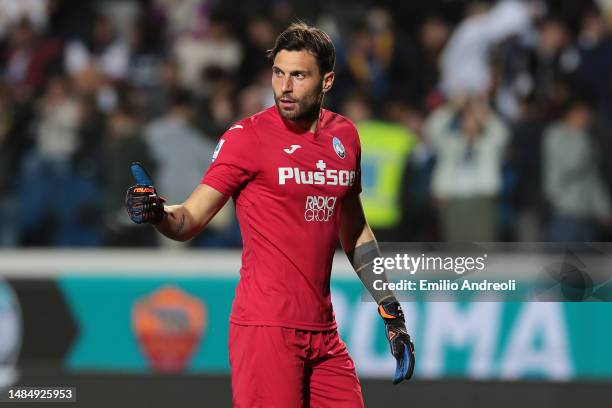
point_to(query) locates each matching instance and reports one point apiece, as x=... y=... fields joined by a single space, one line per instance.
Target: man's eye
x=299 y=76
x=278 y=73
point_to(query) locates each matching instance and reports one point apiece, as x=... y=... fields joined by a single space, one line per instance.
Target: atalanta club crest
x=338 y=147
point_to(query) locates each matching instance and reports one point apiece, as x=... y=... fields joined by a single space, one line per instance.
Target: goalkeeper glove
x=142 y=202
x=402 y=347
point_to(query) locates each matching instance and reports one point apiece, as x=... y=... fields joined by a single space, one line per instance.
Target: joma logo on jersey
x=330 y=177
x=319 y=208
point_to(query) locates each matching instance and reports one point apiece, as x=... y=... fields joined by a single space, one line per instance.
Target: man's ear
x=328 y=81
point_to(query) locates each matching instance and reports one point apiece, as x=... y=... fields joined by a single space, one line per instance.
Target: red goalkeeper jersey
x=288 y=186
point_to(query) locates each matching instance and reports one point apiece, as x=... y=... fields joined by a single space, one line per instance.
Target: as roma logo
x=169 y=325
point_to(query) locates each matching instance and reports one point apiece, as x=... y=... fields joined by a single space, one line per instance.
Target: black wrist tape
x=362 y=258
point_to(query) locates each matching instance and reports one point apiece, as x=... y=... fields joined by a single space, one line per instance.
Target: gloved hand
x=402 y=347
x=142 y=202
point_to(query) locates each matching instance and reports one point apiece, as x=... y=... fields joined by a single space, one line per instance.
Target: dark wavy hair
x=300 y=36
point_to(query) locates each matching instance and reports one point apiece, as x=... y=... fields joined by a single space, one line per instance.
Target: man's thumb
x=140 y=174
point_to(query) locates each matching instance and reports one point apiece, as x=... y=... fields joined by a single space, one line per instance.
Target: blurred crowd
x=479 y=120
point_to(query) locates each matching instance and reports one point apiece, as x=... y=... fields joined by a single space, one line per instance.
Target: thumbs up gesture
x=142 y=202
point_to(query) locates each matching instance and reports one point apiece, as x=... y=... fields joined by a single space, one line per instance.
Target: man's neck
x=310 y=124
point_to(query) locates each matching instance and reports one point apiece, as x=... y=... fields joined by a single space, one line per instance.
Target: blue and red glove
x=401 y=345
x=142 y=202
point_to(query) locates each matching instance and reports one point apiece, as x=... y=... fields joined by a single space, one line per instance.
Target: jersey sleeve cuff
x=218 y=185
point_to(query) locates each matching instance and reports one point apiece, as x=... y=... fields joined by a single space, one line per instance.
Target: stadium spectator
x=156 y=100
x=538 y=71
x=104 y=51
x=47 y=168
x=98 y=62
x=523 y=203
x=465 y=60
x=469 y=141
x=386 y=146
x=179 y=150
x=217 y=108
x=218 y=49
x=29 y=58
x=146 y=59
x=377 y=53
x=432 y=37
x=591 y=59
x=575 y=191
x=260 y=37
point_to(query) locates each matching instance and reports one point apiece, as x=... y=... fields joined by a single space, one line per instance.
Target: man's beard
x=307 y=108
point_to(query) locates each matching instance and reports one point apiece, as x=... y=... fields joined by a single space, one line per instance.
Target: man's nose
x=287 y=84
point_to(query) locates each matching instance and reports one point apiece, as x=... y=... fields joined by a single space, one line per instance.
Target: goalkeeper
x=293 y=171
